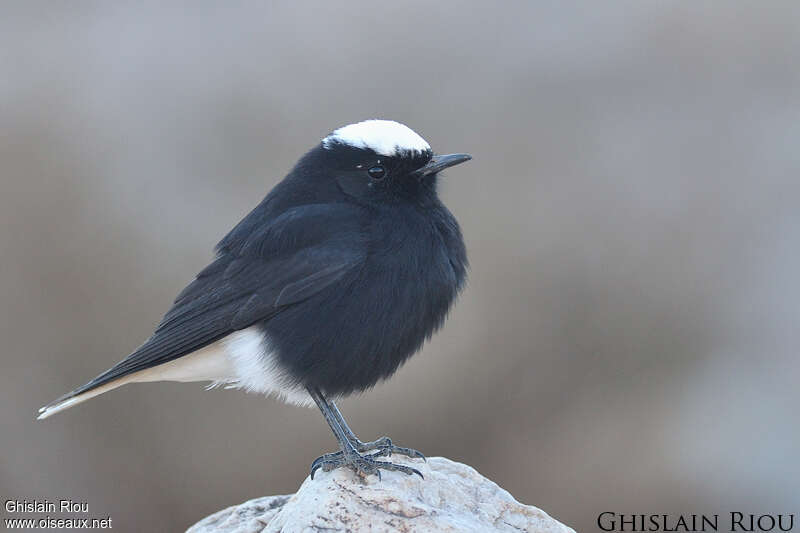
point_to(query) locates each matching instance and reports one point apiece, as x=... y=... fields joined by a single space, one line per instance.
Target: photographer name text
x=733 y=521
x=51 y=507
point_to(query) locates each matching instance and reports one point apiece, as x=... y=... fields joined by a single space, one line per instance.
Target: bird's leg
x=383 y=445
x=349 y=456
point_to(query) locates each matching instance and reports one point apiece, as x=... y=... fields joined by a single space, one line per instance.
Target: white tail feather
x=207 y=364
x=50 y=410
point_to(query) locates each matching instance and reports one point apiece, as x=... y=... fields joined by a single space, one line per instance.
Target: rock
x=452 y=497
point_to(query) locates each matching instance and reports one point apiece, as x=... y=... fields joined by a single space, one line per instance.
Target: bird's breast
x=361 y=330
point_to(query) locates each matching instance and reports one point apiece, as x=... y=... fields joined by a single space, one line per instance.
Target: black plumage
x=345 y=269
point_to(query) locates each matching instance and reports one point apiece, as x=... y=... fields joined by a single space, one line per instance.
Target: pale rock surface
x=453 y=497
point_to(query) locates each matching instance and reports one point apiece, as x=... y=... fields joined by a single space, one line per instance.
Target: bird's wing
x=256 y=274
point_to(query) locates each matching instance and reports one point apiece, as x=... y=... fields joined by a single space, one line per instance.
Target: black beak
x=441 y=162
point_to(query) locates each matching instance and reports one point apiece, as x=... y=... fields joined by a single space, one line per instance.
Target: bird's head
x=378 y=161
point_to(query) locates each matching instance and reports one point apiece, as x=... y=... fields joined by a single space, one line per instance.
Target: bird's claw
x=366 y=464
x=363 y=465
x=386 y=448
x=382 y=447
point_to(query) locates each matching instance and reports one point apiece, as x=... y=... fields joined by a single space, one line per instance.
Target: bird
x=340 y=274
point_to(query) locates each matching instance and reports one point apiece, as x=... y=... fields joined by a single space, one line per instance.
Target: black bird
x=338 y=276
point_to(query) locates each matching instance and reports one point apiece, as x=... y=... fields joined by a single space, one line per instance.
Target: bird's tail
x=206 y=364
x=75 y=397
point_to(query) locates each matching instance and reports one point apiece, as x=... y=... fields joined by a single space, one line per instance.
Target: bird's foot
x=385 y=447
x=363 y=465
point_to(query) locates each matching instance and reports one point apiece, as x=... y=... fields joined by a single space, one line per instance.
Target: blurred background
x=629 y=337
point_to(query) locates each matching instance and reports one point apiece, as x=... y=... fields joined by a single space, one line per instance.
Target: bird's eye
x=377 y=172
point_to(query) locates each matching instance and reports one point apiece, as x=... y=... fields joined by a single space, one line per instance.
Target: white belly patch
x=255 y=368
